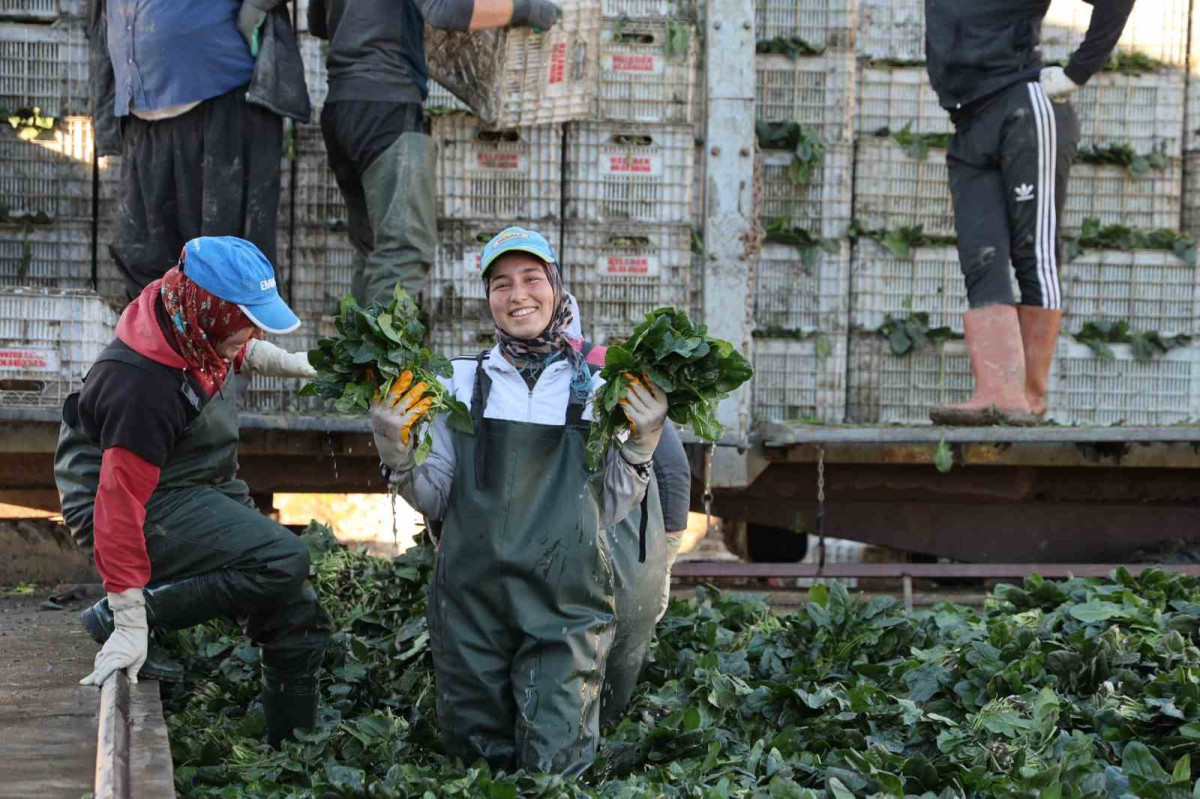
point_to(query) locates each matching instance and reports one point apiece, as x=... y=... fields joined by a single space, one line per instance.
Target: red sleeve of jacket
x=126 y=483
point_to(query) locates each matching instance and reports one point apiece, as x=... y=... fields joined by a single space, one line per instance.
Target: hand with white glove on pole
x=646 y=409
x=1056 y=84
x=265 y=358
x=393 y=420
x=129 y=643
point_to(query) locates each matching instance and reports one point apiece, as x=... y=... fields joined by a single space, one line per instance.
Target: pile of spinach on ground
x=373 y=346
x=1083 y=688
x=694 y=369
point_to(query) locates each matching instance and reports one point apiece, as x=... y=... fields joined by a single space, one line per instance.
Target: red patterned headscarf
x=199 y=319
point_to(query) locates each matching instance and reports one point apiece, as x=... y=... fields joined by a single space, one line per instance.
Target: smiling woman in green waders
x=521 y=609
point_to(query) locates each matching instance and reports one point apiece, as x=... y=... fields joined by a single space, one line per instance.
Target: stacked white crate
x=801 y=310
x=1191 y=133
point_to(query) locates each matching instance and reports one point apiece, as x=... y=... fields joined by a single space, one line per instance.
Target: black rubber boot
x=288 y=704
x=98 y=621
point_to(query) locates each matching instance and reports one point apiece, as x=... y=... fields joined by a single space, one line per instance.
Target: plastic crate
x=893 y=190
x=48 y=340
x=1142 y=111
x=882 y=285
x=1115 y=197
x=886 y=389
x=39 y=10
x=458 y=298
x=56 y=256
x=455 y=338
x=512 y=174
x=892 y=97
x=321 y=270
x=837 y=550
x=815 y=91
x=271 y=395
x=699 y=209
x=442 y=100
x=1088 y=390
x=619 y=273
x=312 y=53
x=51 y=174
x=821 y=206
x=822 y=23
x=800 y=379
x=629 y=173
x=44 y=66
x=891 y=30
x=1151 y=289
x=649 y=9
x=1157 y=28
x=791 y=296
x=513 y=77
x=319 y=201
x=1189 y=222
x=639 y=81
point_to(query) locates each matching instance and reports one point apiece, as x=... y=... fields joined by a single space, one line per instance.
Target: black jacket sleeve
x=318 y=22
x=674 y=477
x=1108 y=22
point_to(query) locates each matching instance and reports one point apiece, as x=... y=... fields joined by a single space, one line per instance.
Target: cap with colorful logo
x=237 y=271
x=516 y=239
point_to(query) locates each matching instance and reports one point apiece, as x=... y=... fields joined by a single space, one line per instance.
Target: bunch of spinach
x=913 y=333
x=1123 y=155
x=694 y=369
x=1145 y=344
x=916 y=145
x=901 y=241
x=790 y=46
x=371 y=349
x=1094 y=235
x=806 y=146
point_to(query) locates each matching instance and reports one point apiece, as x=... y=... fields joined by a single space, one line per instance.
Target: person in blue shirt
x=191 y=94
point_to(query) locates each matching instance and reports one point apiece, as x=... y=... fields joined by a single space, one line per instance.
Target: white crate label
x=558 y=64
x=473 y=263
x=29 y=359
x=630 y=164
x=638 y=265
x=499 y=160
x=633 y=63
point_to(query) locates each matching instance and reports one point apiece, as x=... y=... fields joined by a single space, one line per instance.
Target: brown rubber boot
x=998 y=362
x=1039 y=333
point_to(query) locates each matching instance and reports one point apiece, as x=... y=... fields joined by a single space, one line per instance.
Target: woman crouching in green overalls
x=521 y=609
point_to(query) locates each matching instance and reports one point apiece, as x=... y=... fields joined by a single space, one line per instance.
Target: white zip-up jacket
x=427 y=487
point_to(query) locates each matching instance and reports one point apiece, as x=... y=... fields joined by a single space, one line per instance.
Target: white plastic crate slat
x=322 y=269
x=459 y=301
x=1150 y=289
x=1142 y=111
x=312 y=53
x=893 y=190
x=318 y=199
x=892 y=97
x=629 y=173
x=815 y=91
x=44 y=66
x=891 y=30
x=55 y=256
x=39 y=10
x=621 y=272
x=441 y=99
x=800 y=379
x=1156 y=28
x=1089 y=390
x=837 y=550
x=649 y=9
x=699 y=211
x=513 y=174
x=279 y=394
x=1190 y=221
x=887 y=389
x=882 y=285
x=821 y=206
x=48 y=339
x=1115 y=197
x=794 y=297
x=455 y=338
x=1191 y=127
x=640 y=81
x=821 y=23
x=700 y=95
x=51 y=174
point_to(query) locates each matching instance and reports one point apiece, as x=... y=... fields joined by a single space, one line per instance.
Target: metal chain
x=820 y=508
x=708 y=494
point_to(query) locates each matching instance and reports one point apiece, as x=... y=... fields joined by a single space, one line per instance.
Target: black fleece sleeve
x=447 y=15
x=674 y=477
x=1108 y=22
x=317 y=23
x=123 y=406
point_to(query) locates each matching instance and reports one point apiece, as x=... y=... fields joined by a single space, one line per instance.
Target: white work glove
x=267 y=359
x=126 y=648
x=250 y=17
x=1055 y=83
x=645 y=407
x=394 y=419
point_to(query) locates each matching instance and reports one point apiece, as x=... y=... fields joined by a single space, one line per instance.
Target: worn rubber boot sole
x=1020 y=418
x=964 y=417
x=157 y=666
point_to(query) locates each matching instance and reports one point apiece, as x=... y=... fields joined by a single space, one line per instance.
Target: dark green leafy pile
x=790 y=46
x=901 y=241
x=806 y=147
x=1124 y=62
x=1094 y=235
x=1145 y=344
x=913 y=333
x=916 y=144
x=1084 y=688
x=780 y=231
x=373 y=346
x=694 y=369
x=1123 y=155
x=678 y=39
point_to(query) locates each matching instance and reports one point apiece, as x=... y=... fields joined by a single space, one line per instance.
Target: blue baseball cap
x=237 y=271
x=516 y=239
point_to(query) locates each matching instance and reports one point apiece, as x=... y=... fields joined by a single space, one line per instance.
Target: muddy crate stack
x=804 y=98
x=906 y=287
